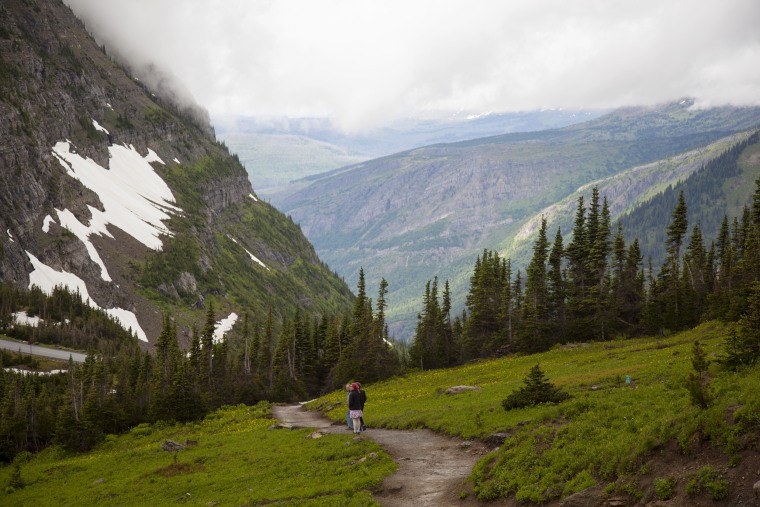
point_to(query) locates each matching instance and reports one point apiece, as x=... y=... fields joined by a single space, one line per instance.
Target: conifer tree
x=207 y=348
x=670 y=294
x=266 y=353
x=508 y=308
x=556 y=291
x=534 y=334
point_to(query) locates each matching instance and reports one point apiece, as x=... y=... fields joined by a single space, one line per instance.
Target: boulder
x=461 y=389
x=172 y=446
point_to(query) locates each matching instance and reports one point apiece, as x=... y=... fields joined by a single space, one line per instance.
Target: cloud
x=367 y=62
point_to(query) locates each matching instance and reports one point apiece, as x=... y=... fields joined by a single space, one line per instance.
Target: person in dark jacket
x=355 y=408
x=349 y=425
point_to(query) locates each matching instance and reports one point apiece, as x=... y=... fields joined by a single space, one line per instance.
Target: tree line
x=119 y=387
x=598 y=287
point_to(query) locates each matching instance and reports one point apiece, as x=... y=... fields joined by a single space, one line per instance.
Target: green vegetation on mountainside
x=231 y=459
x=217 y=251
x=601 y=436
x=409 y=215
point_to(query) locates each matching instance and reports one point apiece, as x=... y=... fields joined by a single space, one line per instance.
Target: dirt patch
x=432 y=469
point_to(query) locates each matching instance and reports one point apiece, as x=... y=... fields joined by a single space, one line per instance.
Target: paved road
x=36 y=350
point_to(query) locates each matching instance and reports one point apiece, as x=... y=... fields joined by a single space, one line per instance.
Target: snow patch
x=81 y=231
x=223 y=326
x=29 y=372
x=253 y=197
x=46 y=223
x=253 y=257
x=153 y=157
x=109 y=106
x=134 y=197
x=23 y=319
x=10 y=235
x=47 y=278
x=177 y=161
x=99 y=127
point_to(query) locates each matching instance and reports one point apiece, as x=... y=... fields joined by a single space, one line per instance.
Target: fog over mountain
x=364 y=63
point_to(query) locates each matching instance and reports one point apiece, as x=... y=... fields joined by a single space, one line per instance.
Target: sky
x=364 y=63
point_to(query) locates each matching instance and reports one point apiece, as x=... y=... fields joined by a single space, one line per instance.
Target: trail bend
x=432 y=468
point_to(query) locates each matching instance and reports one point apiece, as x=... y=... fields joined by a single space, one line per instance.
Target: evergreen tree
x=556 y=291
x=534 y=334
x=207 y=348
x=698 y=383
x=536 y=390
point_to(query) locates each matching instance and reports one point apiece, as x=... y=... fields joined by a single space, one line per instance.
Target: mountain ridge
x=407 y=216
x=69 y=110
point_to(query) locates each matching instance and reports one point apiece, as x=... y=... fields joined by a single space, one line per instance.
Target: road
x=36 y=350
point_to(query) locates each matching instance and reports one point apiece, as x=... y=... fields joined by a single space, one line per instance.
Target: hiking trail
x=432 y=468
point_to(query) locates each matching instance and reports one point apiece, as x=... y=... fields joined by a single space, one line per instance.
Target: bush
x=663 y=488
x=536 y=390
x=708 y=478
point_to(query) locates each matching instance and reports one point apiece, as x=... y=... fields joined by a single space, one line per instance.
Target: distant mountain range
x=429 y=211
x=279 y=151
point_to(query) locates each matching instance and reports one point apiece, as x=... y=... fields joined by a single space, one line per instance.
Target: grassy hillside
x=236 y=461
x=605 y=437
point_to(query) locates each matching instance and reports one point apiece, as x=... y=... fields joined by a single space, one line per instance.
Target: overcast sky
x=366 y=62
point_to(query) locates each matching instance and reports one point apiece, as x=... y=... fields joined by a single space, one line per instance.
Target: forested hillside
x=597 y=286
x=405 y=215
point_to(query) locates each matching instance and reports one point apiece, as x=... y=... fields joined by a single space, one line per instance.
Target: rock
x=465 y=445
x=172 y=446
x=756 y=489
x=316 y=434
x=498 y=438
x=281 y=426
x=191 y=443
x=98 y=481
x=461 y=389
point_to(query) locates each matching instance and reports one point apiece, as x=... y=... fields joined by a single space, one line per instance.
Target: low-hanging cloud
x=363 y=63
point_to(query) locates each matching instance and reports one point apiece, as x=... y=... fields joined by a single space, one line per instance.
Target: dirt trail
x=431 y=467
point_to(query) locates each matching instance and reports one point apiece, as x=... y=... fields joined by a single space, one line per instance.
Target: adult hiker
x=355 y=408
x=363 y=398
x=349 y=424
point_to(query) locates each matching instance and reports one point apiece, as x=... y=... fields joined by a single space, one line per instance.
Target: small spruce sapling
x=536 y=390
x=698 y=382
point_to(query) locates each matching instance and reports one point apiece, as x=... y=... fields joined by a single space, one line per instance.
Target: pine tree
x=556 y=291
x=698 y=383
x=536 y=390
x=207 y=349
x=534 y=334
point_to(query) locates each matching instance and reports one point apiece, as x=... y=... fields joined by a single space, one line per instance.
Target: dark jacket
x=362 y=397
x=354 y=400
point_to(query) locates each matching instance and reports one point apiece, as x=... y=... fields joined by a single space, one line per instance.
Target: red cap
x=355 y=386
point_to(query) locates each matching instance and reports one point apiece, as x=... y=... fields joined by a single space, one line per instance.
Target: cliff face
x=85 y=153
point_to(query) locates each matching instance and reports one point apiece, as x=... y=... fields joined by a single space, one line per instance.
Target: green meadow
x=599 y=436
x=237 y=461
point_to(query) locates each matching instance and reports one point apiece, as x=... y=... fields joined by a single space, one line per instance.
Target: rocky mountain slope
x=429 y=211
x=126 y=196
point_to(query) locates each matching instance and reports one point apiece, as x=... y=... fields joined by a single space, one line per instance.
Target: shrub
x=536 y=390
x=708 y=478
x=663 y=488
